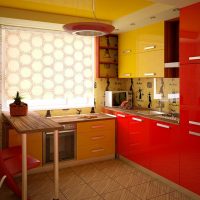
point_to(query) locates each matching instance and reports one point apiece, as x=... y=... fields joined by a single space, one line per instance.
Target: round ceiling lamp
x=89 y=28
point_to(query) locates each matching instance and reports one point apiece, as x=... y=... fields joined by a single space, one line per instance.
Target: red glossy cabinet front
x=190 y=34
x=190 y=127
x=165 y=149
x=139 y=140
x=122 y=134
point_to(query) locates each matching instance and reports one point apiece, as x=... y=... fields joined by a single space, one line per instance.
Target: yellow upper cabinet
x=126 y=55
x=146 y=55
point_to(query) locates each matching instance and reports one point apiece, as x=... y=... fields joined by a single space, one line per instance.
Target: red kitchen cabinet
x=190 y=34
x=190 y=97
x=122 y=134
x=138 y=142
x=165 y=149
x=190 y=127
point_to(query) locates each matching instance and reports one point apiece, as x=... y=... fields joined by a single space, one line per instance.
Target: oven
x=66 y=144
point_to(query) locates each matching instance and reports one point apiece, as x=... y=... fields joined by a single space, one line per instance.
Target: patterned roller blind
x=50 y=69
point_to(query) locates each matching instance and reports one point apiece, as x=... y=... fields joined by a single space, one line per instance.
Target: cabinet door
x=127 y=65
x=150 y=64
x=138 y=146
x=122 y=134
x=190 y=34
x=190 y=127
x=165 y=144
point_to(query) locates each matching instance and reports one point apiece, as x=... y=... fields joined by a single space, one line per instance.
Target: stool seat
x=11 y=165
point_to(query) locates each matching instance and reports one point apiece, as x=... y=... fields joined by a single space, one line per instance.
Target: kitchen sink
x=150 y=112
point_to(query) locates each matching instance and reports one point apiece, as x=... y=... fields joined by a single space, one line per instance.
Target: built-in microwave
x=115 y=98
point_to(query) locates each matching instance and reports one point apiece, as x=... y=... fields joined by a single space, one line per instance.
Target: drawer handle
x=194 y=133
x=137 y=119
x=194 y=123
x=120 y=115
x=98 y=126
x=150 y=47
x=162 y=125
x=97 y=150
x=194 y=58
x=126 y=74
x=149 y=74
x=126 y=51
x=97 y=137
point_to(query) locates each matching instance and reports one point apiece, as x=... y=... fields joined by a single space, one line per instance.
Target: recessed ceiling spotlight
x=132 y=24
x=152 y=17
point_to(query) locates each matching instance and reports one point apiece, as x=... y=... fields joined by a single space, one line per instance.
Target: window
x=50 y=69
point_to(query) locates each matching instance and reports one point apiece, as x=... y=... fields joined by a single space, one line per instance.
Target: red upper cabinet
x=164 y=149
x=138 y=143
x=190 y=34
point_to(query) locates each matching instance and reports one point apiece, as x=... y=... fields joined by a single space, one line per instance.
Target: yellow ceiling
x=104 y=9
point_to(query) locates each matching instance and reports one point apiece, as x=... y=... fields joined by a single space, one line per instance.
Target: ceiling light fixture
x=89 y=28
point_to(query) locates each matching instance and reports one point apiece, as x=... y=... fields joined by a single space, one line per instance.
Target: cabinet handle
x=126 y=51
x=120 y=115
x=97 y=137
x=194 y=58
x=194 y=133
x=97 y=150
x=149 y=74
x=98 y=126
x=126 y=74
x=150 y=47
x=194 y=123
x=137 y=119
x=162 y=125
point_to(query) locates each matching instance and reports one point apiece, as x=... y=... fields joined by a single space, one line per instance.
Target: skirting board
x=181 y=189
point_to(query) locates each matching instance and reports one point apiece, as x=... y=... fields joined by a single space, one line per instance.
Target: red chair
x=11 y=165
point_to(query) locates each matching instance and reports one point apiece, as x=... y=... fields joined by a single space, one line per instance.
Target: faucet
x=161 y=105
x=78 y=111
x=48 y=113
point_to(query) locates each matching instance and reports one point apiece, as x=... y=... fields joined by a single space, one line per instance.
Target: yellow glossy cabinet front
x=150 y=50
x=126 y=51
x=147 y=52
x=34 y=143
x=95 y=139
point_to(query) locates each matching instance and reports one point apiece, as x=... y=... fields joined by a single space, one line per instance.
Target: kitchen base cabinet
x=34 y=143
x=138 y=141
x=165 y=149
x=95 y=139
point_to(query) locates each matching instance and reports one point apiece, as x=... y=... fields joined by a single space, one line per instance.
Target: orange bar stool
x=11 y=165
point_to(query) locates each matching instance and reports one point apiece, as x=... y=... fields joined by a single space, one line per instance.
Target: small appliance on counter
x=115 y=98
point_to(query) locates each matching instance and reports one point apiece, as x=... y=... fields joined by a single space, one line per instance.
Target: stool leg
x=24 y=168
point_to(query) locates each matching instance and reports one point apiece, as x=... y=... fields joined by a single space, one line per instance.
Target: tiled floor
x=108 y=180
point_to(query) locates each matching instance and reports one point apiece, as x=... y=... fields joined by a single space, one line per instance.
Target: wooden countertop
x=31 y=123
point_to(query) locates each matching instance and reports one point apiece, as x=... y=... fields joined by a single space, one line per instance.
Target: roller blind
x=50 y=69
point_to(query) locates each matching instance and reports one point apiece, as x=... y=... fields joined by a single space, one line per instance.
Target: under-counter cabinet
x=95 y=139
x=139 y=140
x=34 y=143
x=141 y=52
x=164 y=149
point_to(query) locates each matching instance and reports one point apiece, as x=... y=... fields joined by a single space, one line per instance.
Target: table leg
x=56 y=167
x=24 y=167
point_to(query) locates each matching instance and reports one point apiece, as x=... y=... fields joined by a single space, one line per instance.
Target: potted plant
x=18 y=108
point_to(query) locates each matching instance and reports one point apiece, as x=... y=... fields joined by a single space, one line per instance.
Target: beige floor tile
x=104 y=186
x=164 y=197
x=179 y=196
x=120 y=195
x=150 y=189
x=47 y=196
x=108 y=163
x=83 y=168
x=79 y=192
x=118 y=170
x=7 y=194
x=62 y=172
x=96 y=198
x=128 y=180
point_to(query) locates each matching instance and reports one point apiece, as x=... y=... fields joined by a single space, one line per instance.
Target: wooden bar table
x=30 y=124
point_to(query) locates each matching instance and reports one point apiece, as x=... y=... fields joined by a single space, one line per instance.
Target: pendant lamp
x=89 y=28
